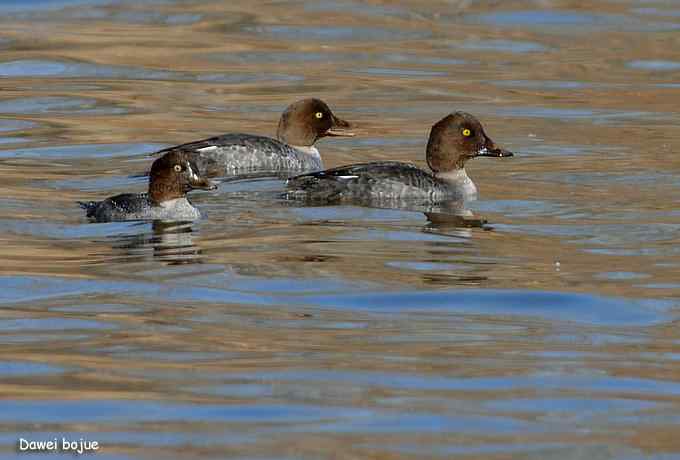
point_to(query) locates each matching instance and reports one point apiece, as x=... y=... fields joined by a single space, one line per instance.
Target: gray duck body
x=139 y=206
x=237 y=154
x=374 y=182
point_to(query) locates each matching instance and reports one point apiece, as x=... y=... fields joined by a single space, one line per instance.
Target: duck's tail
x=90 y=207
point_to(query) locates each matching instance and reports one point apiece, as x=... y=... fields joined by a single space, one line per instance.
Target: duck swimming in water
x=171 y=177
x=453 y=140
x=301 y=125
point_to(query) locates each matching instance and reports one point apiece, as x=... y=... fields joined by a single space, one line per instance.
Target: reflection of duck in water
x=453 y=140
x=170 y=242
x=459 y=219
x=301 y=125
x=171 y=177
x=174 y=243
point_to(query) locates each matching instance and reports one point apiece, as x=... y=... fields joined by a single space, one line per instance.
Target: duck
x=453 y=140
x=172 y=176
x=293 y=151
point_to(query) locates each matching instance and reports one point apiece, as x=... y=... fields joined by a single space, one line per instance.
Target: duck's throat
x=309 y=150
x=459 y=180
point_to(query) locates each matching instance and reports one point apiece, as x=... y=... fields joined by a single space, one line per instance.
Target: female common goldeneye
x=171 y=177
x=301 y=125
x=453 y=140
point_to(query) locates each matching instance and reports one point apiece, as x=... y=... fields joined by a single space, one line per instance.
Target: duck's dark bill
x=203 y=184
x=494 y=152
x=340 y=127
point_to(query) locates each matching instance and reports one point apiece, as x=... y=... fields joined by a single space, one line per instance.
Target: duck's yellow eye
x=178 y=168
x=466 y=132
x=319 y=114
